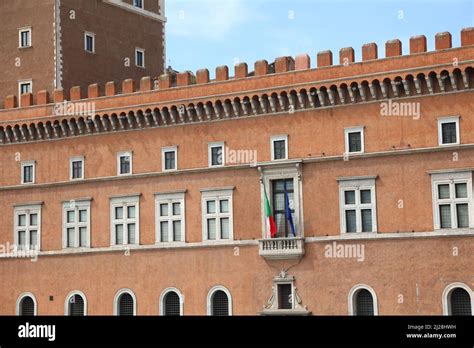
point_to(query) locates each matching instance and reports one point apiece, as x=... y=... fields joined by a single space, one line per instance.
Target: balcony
x=281 y=248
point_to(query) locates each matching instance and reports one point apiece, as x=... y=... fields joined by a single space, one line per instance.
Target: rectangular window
x=169 y=158
x=27 y=227
x=124 y=163
x=217 y=215
x=125 y=220
x=216 y=154
x=452 y=200
x=76 y=224
x=170 y=217
x=28 y=172
x=354 y=140
x=138 y=3
x=448 y=131
x=25 y=37
x=24 y=87
x=140 y=57
x=285 y=296
x=89 y=42
x=279 y=147
x=279 y=205
x=357 y=205
x=76 y=168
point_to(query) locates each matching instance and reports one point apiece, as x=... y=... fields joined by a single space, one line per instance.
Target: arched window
x=76 y=304
x=457 y=300
x=26 y=305
x=362 y=301
x=171 y=302
x=125 y=303
x=219 y=302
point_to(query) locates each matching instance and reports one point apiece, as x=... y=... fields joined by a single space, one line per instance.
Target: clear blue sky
x=209 y=33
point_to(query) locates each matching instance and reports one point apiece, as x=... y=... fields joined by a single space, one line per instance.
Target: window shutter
x=220 y=304
x=125 y=305
x=76 y=306
x=460 y=302
x=27 y=306
x=364 y=303
x=171 y=304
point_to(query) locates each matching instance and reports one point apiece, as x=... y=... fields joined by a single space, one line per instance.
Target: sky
x=210 y=33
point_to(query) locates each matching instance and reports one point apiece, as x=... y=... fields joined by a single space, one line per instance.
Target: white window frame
x=170 y=198
x=447 y=296
x=212 y=145
x=162 y=299
x=142 y=51
x=451 y=179
x=117 y=296
x=353 y=292
x=124 y=154
x=27 y=210
x=24 y=82
x=27 y=164
x=68 y=298
x=76 y=206
x=288 y=171
x=30 y=37
x=449 y=119
x=21 y=297
x=350 y=130
x=211 y=293
x=71 y=171
x=274 y=139
x=357 y=184
x=92 y=35
x=217 y=195
x=143 y=4
x=125 y=202
x=165 y=150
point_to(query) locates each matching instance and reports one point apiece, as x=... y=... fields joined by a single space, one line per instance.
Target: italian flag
x=269 y=215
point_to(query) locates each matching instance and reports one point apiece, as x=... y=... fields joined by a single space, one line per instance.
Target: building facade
x=158 y=202
x=58 y=44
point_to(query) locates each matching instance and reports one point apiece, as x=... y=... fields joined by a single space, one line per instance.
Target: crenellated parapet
x=286 y=85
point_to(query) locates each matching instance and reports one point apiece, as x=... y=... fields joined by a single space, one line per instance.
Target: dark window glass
x=27 y=306
x=279 y=149
x=366 y=220
x=284 y=296
x=220 y=304
x=25 y=38
x=445 y=215
x=216 y=153
x=170 y=160
x=355 y=142
x=27 y=174
x=364 y=303
x=125 y=165
x=460 y=302
x=351 y=223
x=125 y=305
x=76 y=306
x=140 y=59
x=25 y=88
x=448 y=130
x=278 y=194
x=77 y=169
x=89 y=43
x=172 y=304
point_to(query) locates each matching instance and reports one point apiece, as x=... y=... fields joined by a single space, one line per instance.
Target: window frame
x=352 y=300
x=30 y=37
x=449 y=119
x=68 y=297
x=210 y=296
x=165 y=150
x=78 y=205
x=212 y=145
x=142 y=51
x=92 y=35
x=142 y=2
x=451 y=179
x=274 y=139
x=350 y=130
x=71 y=168
x=357 y=184
x=163 y=296
x=27 y=164
x=119 y=168
x=170 y=198
x=21 y=297
x=125 y=202
x=217 y=195
x=117 y=297
x=446 y=297
x=27 y=210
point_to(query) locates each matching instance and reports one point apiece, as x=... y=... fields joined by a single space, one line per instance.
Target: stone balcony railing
x=281 y=248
